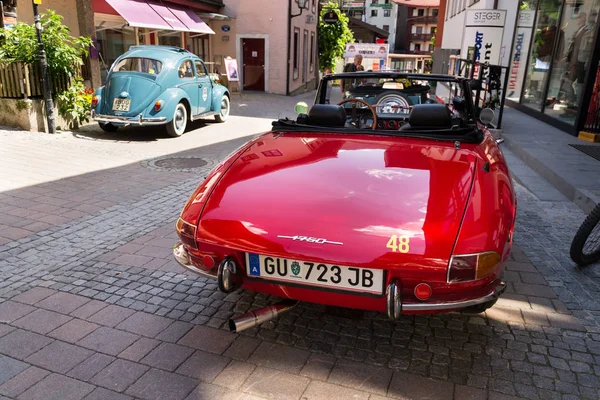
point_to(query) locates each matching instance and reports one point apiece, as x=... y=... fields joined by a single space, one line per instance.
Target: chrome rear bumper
x=127 y=120
x=182 y=257
x=394 y=302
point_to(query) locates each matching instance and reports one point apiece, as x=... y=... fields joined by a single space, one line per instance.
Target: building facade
x=383 y=14
x=551 y=49
x=273 y=42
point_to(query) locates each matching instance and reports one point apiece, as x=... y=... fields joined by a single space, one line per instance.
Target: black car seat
x=330 y=115
x=426 y=117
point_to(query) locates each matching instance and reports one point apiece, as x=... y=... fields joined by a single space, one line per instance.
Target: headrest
x=327 y=115
x=430 y=116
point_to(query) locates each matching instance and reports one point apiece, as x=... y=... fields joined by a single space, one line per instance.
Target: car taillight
x=423 y=291
x=471 y=267
x=158 y=105
x=187 y=233
x=94 y=101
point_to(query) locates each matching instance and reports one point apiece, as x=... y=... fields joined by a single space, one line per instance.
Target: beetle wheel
x=223 y=113
x=179 y=122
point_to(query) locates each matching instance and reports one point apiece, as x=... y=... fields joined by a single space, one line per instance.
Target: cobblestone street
x=92 y=304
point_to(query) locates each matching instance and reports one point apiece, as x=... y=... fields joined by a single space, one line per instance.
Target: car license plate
x=121 y=104
x=315 y=274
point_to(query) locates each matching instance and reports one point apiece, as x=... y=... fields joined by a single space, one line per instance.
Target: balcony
x=420 y=52
x=422 y=37
x=423 y=20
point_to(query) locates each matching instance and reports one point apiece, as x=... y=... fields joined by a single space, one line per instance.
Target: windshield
x=391 y=97
x=138 y=64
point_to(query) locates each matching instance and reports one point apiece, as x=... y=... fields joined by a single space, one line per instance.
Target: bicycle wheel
x=585 y=248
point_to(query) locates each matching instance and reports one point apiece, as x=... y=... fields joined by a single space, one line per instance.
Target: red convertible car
x=402 y=208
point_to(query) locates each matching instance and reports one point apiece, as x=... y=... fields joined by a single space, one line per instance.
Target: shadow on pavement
x=134 y=133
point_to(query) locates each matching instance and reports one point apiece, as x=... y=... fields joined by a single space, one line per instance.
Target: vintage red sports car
x=395 y=201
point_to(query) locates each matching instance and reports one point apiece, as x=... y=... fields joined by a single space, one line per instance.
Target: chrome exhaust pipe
x=257 y=317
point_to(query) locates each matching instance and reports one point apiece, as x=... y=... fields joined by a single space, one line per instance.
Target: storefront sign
x=483 y=31
x=383 y=5
x=367 y=50
x=519 y=54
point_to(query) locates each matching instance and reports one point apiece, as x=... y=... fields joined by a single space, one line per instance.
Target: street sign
x=37 y=1
x=330 y=17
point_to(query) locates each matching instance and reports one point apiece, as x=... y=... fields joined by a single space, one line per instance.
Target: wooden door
x=253 y=57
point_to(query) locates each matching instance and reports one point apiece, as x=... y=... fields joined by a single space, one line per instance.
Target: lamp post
x=44 y=69
x=302 y=4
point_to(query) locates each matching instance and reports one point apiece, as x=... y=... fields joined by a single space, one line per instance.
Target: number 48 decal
x=399 y=243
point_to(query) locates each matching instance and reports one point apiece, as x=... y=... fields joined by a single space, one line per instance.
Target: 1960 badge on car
x=158 y=85
x=390 y=205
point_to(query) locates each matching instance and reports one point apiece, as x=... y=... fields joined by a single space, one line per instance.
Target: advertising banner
x=483 y=31
x=367 y=50
x=519 y=54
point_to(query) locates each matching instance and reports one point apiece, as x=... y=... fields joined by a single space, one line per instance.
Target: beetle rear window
x=138 y=64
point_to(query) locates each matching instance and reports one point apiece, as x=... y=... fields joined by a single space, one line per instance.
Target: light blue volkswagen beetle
x=158 y=85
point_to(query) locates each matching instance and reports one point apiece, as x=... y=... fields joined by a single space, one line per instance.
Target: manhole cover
x=592 y=150
x=180 y=163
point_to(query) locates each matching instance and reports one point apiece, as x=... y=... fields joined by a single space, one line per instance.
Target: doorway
x=253 y=58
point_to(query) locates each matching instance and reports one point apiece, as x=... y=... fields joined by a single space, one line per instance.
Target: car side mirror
x=486 y=116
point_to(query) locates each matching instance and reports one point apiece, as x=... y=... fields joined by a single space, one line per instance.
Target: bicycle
x=585 y=247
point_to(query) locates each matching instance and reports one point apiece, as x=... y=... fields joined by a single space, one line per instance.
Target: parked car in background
x=158 y=85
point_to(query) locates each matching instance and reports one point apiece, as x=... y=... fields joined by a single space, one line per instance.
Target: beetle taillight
x=158 y=105
x=94 y=101
x=187 y=233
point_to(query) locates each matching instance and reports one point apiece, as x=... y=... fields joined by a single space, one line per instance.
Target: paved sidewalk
x=93 y=306
x=546 y=150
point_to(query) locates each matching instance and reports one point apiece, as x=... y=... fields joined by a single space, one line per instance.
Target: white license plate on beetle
x=121 y=104
x=364 y=280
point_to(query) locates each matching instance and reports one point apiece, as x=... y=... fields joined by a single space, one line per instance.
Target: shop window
x=296 y=52
x=546 y=33
x=373 y=13
x=312 y=51
x=572 y=59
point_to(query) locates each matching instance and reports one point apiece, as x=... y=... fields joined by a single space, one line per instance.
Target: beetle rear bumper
x=127 y=120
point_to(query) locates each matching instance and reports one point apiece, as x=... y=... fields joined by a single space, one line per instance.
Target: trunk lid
x=140 y=90
x=355 y=190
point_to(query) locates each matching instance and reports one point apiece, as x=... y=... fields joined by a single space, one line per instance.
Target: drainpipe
x=289 y=26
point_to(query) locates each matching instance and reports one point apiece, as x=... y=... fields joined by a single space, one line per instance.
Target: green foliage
x=63 y=52
x=75 y=103
x=333 y=37
x=22 y=105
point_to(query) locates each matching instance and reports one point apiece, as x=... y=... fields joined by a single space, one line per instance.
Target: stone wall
x=28 y=114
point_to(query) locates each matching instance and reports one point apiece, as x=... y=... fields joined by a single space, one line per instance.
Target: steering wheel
x=354 y=117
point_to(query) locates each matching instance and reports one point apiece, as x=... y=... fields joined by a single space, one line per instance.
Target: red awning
x=418 y=3
x=191 y=20
x=154 y=15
